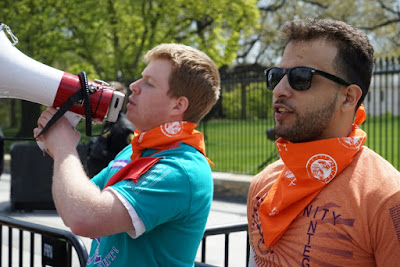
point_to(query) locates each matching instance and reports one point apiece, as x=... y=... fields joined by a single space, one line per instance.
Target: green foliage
x=232 y=104
x=257 y=100
x=112 y=36
x=108 y=38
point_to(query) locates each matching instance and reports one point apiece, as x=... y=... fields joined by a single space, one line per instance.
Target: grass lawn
x=383 y=137
x=237 y=145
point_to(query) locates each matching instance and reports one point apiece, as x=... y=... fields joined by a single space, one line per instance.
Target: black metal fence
x=382 y=105
x=226 y=231
x=29 y=244
x=236 y=129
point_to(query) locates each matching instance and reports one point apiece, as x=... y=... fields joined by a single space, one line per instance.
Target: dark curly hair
x=355 y=58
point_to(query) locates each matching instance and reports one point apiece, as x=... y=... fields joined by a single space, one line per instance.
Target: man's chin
x=281 y=131
x=288 y=136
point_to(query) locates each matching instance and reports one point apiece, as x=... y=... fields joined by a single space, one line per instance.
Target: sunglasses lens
x=274 y=76
x=300 y=78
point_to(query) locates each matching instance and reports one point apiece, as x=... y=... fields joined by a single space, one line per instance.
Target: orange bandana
x=167 y=135
x=308 y=168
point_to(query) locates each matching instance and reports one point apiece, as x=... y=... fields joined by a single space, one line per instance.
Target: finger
x=51 y=110
x=45 y=117
x=42 y=121
x=36 y=132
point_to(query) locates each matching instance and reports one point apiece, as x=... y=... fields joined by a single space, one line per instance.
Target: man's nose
x=283 y=88
x=135 y=86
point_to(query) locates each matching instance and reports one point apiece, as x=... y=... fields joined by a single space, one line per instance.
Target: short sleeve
x=160 y=195
x=137 y=223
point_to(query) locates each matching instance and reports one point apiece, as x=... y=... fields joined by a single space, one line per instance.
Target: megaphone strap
x=86 y=94
x=61 y=111
x=74 y=98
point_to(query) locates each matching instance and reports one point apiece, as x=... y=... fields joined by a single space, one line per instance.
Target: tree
x=380 y=19
x=108 y=38
x=384 y=26
x=35 y=25
x=114 y=45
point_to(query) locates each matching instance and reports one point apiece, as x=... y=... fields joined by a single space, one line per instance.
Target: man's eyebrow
x=149 y=78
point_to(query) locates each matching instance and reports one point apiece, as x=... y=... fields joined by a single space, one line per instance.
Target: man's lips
x=130 y=101
x=130 y=104
x=279 y=108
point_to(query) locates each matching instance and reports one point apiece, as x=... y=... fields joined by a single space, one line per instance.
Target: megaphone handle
x=73 y=119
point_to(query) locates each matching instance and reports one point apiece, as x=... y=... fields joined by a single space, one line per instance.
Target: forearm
x=82 y=206
x=74 y=195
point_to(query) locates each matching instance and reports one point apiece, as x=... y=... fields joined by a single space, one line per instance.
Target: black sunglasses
x=299 y=77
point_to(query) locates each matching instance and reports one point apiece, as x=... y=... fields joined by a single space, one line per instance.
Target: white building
x=384 y=95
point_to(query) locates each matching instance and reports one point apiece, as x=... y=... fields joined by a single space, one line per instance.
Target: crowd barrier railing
x=23 y=242
x=38 y=245
x=225 y=230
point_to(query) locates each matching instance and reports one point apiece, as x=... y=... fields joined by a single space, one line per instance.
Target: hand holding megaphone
x=22 y=77
x=73 y=119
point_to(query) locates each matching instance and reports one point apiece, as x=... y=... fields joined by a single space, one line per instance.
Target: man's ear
x=181 y=105
x=351 y=95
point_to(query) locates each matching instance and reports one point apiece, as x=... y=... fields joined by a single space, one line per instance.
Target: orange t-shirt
x=353 y=221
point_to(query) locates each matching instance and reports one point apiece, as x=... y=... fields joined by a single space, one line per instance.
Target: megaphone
x=22 y=77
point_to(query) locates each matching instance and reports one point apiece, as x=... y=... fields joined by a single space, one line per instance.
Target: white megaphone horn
x=24 y=78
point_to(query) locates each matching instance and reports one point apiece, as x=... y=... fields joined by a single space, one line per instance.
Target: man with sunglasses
x=329 y=200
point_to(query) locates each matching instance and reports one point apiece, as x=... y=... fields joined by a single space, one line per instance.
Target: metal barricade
x=55 y=245
x=225 y=230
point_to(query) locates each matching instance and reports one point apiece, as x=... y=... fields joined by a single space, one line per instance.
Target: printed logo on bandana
x=274 y=211
x=322 y=167
x=172 y=129
x=352 y=142
x=281 y=147
x=290 y=177
x=141 y=137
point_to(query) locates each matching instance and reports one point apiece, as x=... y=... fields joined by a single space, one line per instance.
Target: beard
x=308 y=126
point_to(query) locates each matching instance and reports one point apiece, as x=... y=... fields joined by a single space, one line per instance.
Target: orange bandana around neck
x=167 y=135
x=308 y=168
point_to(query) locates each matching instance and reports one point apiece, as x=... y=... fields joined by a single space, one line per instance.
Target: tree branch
x=385 y=7
x=383 y=24
x=387 y=22
x=321 y=5
x=273 y=7
x=249 y=46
